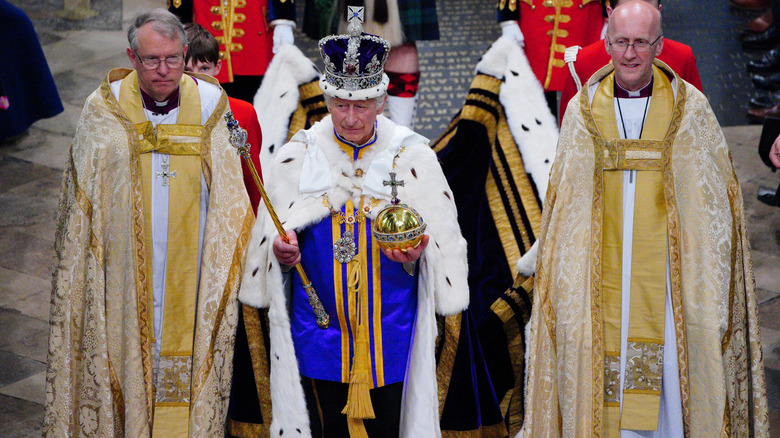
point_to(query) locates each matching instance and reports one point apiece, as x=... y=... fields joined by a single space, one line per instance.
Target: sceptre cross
x=166 y=174
x=393 y=183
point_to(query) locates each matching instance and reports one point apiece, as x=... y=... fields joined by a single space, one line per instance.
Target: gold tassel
x=360 y=381
x=356 y=428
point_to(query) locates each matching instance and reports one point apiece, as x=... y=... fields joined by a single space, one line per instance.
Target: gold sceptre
x=238 y=138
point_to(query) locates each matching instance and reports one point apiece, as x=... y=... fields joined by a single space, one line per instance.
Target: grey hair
x=162 y=22
x=380 y=100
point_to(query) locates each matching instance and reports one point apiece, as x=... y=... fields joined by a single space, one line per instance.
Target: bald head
x=615 y=3
x=633 y=10
x=633 y=41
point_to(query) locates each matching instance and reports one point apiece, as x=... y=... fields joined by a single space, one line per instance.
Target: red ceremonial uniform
x=246 y=117
x=242 y=29
x=590 y=59
x=549 y=26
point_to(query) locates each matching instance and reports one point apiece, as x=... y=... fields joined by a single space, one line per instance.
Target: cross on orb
x=393 y=183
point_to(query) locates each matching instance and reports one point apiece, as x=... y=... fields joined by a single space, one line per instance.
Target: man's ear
x=218 y=67
x=382 y=108
x=131 y=55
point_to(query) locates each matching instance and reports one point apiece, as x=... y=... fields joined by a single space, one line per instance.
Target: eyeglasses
x=151 y=63
x=639 y=46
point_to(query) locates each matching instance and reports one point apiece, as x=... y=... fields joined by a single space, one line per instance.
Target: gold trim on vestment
x=376 y=273
x=725 y=341
x=310 y=109
x=139 y=231
x=260 y=367
x=596 y=299
x=450 y=336
x=338 y=296
x=675 y=258
x=510 y=182
x=512 y=403
x=232 y=283
x=181 y=268
x=543 y=283
x=606 y=158
x=475 y=113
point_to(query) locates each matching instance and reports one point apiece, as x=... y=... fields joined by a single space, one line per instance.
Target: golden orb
x=398 y=226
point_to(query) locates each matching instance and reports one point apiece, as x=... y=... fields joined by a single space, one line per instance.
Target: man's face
x=161 y=81
x=354 y=119
x=206 y=68
x=633 y=24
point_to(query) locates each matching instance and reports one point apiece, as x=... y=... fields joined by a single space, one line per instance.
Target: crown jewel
x=354 y=62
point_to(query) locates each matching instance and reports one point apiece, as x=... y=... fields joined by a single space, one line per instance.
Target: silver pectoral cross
x=393 y=183
x=165 y=174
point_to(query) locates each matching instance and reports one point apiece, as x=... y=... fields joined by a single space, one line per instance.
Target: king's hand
x=411 y=254
x=287 y=253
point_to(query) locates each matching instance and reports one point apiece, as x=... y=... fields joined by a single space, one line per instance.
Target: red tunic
x=549 y=26
x=246 y=117
x=591 y=58
x=246 y=50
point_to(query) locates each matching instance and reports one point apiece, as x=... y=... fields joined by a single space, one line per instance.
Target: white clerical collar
x=645 y=91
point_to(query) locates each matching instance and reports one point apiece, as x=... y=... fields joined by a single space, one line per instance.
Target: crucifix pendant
x=166 y=174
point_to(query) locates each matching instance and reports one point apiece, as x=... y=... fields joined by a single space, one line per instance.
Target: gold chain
x=359 y=216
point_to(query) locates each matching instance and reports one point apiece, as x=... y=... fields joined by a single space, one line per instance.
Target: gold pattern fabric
x=100 y=331
x=639 y=408
x=722 y=381
x=644 y=366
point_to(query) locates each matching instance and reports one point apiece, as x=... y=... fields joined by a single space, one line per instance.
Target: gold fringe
x=356 y=428
x=358 y=399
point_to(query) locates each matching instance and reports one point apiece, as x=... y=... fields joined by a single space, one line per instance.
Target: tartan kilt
x=418 y=19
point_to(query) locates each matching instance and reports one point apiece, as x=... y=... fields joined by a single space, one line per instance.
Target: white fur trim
x=526 y=265
x=420 y=406
x=278 y=96
x=365 y=94
x=382 y=165
x=493 y=62
x=533 y=127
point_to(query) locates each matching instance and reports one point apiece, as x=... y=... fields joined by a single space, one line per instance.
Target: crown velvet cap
x=354 y=65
